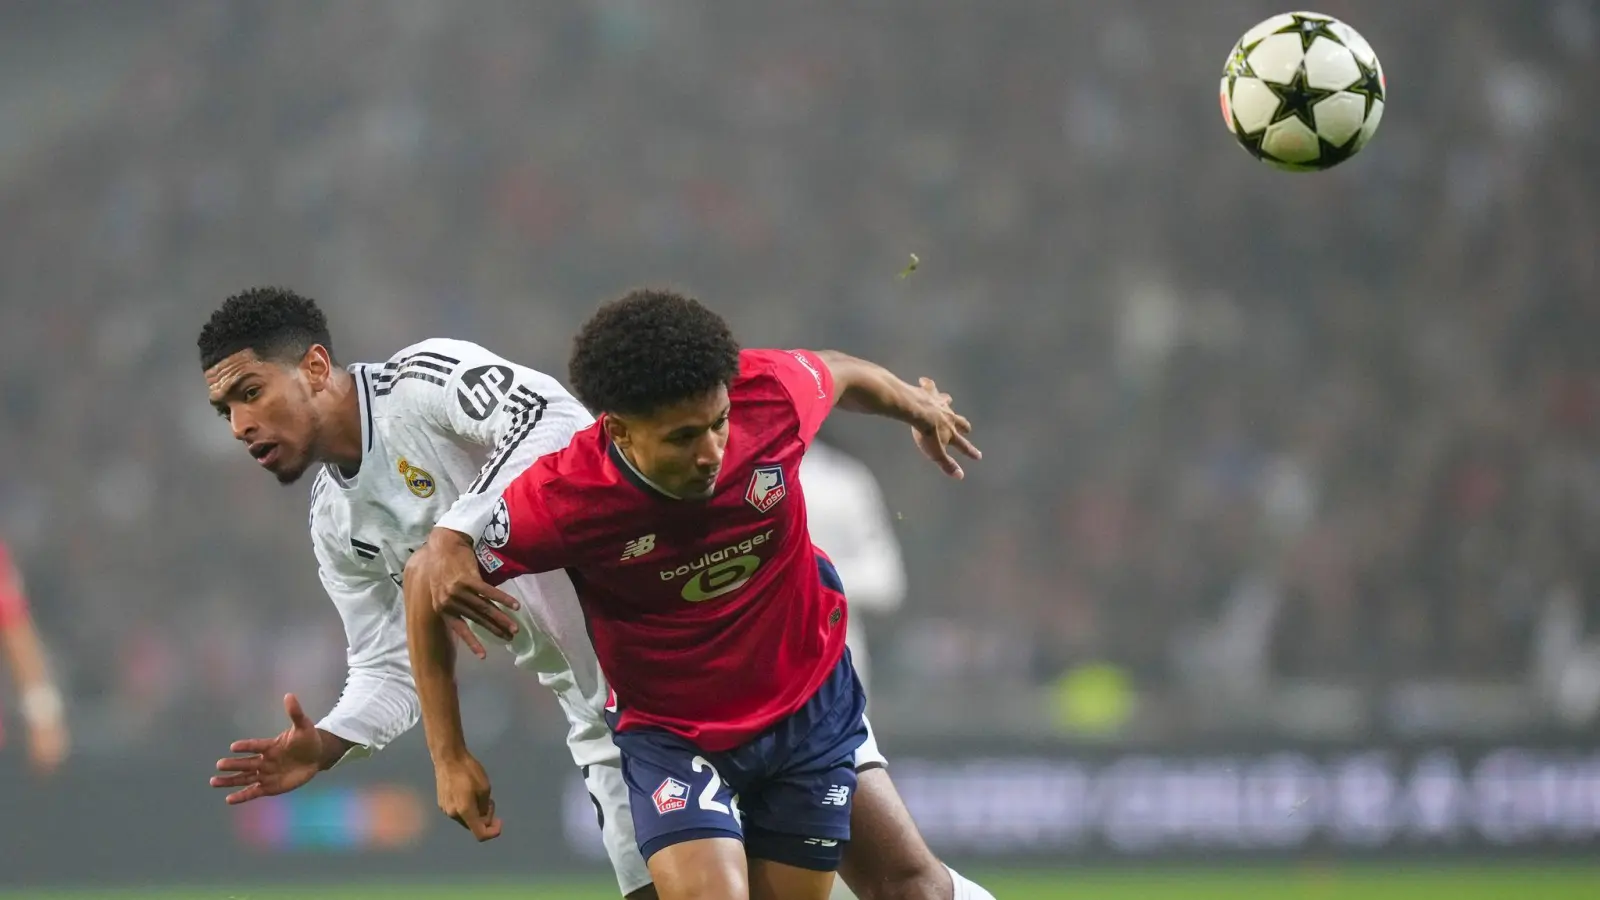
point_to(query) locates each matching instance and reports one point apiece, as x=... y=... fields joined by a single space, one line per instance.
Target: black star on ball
x=1309 y=30
x=1371 y=84
x=1297 y=98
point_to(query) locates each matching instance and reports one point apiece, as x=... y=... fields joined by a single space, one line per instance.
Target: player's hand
x=463 y=788
x=446 y=570
x=275 y=765
x=939 y=428
x=47 y=745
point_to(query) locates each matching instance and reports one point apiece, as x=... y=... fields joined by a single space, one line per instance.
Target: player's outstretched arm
x=866 y=387
x=460 y=781
x=41 y=701
x=277 y=765
x=377 y=705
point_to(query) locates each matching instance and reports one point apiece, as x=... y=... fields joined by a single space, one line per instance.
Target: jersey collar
x=626 y=467
x=368 y=432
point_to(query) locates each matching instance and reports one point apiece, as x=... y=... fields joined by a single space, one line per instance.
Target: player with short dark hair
x=680 y=517
x=425 y=443
x=273 y=325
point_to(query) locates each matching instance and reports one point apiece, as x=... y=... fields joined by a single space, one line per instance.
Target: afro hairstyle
x=649 y=350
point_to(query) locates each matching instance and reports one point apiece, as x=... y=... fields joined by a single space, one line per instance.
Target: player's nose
x=243 y=427
x=708 y=455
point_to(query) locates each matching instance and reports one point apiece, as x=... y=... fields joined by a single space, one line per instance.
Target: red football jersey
x=711 y=618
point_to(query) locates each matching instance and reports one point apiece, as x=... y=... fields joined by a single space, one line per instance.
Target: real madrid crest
x=418 y=480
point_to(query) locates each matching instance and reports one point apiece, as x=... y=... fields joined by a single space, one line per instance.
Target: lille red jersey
x=713 y=619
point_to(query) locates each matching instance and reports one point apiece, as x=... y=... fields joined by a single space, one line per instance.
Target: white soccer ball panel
x=1277 y=58
x=1358 y=45
x=1371 y=125
x=1265 y=28
x=1340 y=117
x=1330 y=66
x=1254 y=105
x=1291 y=141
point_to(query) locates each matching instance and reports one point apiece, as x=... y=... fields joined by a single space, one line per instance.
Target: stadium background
x=1285 y=552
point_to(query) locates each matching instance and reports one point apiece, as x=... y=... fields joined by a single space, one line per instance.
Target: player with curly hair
x=721 y=628
x=422 y=445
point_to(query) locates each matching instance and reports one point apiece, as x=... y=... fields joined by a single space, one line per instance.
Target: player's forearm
x=26 y=653
x=865 y=387
x=433 y=669
x=41 y=701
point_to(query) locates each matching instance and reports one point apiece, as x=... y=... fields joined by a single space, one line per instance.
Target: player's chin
x=289 y=472
x=698 y=490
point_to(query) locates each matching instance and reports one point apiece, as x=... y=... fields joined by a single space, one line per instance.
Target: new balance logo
x=639 y=547
x=821 y=842
x=838 y=795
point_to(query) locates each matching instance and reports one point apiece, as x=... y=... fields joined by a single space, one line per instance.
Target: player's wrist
x=448 y=755
x=332 y=749
x=448 y=538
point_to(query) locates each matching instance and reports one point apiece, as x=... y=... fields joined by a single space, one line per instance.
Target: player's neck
x=342 y=445
x=627 y=460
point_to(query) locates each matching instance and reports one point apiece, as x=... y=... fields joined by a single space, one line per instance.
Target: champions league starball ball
x=1302 y=91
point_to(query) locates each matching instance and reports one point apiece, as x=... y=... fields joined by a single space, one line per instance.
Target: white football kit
x=446 y=425
x=849 y=522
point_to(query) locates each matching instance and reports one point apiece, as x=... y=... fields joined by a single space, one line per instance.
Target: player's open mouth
x=264 y=453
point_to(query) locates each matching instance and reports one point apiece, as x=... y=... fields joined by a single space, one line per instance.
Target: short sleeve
x=522 y=537
x=808 y=382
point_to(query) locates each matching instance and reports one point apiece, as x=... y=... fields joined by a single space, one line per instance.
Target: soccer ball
x=1302 y=91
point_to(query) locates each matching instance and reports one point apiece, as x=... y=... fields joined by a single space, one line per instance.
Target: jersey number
x=708 y=794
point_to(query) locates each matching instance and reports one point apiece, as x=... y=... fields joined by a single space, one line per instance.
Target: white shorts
x=608 y=795
x=868 y=756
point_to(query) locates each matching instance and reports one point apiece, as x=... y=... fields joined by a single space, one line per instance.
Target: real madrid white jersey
x=445 y=426
x=849 y=521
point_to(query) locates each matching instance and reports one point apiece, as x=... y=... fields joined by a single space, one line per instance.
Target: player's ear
x=617 y=430
x=317 y=366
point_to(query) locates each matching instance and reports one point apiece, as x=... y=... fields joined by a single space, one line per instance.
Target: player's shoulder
x=566 y=476
x=426 y=365
x=442 y=355
x=777 y=371
x=754 y=363
x=439 y=361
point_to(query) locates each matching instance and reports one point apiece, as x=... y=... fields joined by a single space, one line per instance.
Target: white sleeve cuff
x=470 y=515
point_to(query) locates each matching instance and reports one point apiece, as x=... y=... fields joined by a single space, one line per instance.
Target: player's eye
x=252 y=392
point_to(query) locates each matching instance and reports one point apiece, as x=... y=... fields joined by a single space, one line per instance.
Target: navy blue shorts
x=786 y=794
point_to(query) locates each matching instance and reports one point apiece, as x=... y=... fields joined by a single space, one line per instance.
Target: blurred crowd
x=1351 y=420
